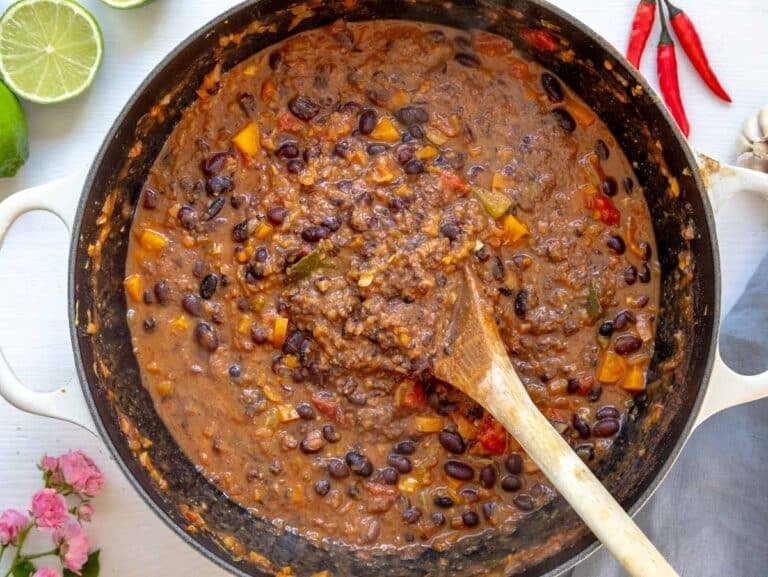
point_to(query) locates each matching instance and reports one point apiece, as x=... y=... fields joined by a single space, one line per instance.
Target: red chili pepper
x=691 y=43
x=668 y=81
x=605 y=209
x=539 y=39
x=641 y=30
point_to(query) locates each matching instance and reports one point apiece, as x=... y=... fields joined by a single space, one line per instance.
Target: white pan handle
x=66 y=403
x=728 y=388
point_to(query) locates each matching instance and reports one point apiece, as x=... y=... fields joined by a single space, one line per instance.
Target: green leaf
x=90 y=569
x=594 y=308
x=23 y=569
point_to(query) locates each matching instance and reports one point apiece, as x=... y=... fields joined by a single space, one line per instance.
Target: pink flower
x=11 y=524
x=46 y=572
x=81 y=473
x=49 y=509
x=51 y=471
x=73 y=544
x=85 y=512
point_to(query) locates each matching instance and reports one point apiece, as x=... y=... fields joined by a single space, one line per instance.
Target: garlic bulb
x=752 y=142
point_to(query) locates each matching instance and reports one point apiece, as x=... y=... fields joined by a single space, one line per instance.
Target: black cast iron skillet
x=548 y=541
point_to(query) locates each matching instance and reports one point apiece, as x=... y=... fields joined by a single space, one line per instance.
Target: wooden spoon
x=479 y=366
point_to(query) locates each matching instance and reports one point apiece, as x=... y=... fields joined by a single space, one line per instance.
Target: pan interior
x=548 y=540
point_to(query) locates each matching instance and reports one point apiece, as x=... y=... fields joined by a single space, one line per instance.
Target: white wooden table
x=33 y=325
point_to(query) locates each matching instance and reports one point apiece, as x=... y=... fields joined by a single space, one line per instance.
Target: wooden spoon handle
x=507 y=399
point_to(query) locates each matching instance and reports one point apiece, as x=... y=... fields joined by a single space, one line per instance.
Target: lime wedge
x=124 y=4
x=14 y=144
x=50 y=50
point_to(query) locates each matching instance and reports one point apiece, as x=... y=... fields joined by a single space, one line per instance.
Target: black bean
x=376 y=148
x=406 y=447
x=337 y=468
x=488 y=476
x=149 y=324
x=292 y=344
x=288 y=150
x=452 y=442
x=240 y=231
x=149 y=199
x=482 y=254
x=623 y=319
x=459 y=470
x=586 y=451
x=188 y=217
x=645 y=274
x=389 y=476
x=514 y=463
x=630 y=275
x=276 y=215
x=214 y=164
x=573 y=384
x=274 y=59
x=162 y=292
x=235 y=371
x=414 y=166
x=412 y=515
x=217 y=185
x=208 y=286
x=647 y=251
x=312 y=443
x=524 y=502
x=295 y=166
x=581 y=426
x=607 y=412
x=437 y=36
x=511 y=483
x=261 y=254
x=609 y=186
x=303 y=107
x=450 y=230
x=148 y=297
x=552 y=87
x=410 y=115
x=606 y=427
x=489 y=510
x=399 y=462
x=322 y=487
x=467 y=59
x=521 y=303
x=594 y=393
x=315 y=233
x=305 y=411
x=367 y=121
x=332 y=222
x=601 y=148
x=404 y=154
x=416 y=131
x=616 y=244
x=192 y=304
x=247 y=103
x=470 y=519
x=330 y=434
x=564 y=119
x=497 y=269
x=206 y=337
x=605 y=330
x=443 y=501
x=628 y=183
x=627 y=344
x=359 y=463
x=214 y=208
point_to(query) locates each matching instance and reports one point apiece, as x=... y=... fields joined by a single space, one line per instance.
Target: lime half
x=50 y=50
x=14 y=144
x=124 y=4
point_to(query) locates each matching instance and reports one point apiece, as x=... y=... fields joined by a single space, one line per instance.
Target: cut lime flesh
x=14 y=142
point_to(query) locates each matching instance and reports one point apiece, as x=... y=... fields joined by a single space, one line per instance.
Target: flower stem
x=38 y=555
x=2 y=552
x=22 y=538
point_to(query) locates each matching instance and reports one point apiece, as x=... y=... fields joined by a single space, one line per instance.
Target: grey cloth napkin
x=710 y=516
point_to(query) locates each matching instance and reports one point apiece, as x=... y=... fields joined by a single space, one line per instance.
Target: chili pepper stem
x=694 y=49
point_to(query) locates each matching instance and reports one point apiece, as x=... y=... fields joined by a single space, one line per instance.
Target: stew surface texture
x=296 y=255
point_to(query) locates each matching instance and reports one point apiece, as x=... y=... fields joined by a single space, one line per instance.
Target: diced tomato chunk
x=605 y=209
x=324 y=403
x=452 y=181
x=539 y=39
x=416 y=398
x=492 y=436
